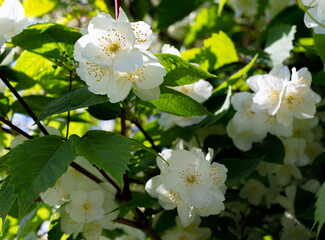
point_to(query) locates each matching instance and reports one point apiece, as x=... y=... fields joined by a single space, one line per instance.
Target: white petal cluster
x=246 y=7
x=85 y=205
x=315 y=11
x=189 y=182
x=114 y=58
x=278 y=99
x=199 y=91
x=12 y=20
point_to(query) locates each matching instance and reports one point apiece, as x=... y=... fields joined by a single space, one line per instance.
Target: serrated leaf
x=49 y=39
x=320 y=45
x=26 y=219
x=108 y=151
x=37 y=8
x=169 y=11
x=6 y=198
x=78 y=98
x=30 y=174
x=320 y=208
x=174 y=102
x=179 y=71
x=279 y=43
x=274 y=154
x=239 y=168
x=105 y=111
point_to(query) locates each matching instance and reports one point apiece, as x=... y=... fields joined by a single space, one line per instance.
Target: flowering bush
x=221 y=136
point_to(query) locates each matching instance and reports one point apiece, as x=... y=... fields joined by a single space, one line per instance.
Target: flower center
x=86 y=206
x=293 y=102
x=190 y=175
x=114 y=47
x=190 y=179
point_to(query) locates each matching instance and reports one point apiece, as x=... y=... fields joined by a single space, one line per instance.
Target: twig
x=17 y=129
x=123 y=125
x=136 y=122
x=104 y=174
x=68 y=118
x=117 y=8
x=24 y=104
x=85 y=172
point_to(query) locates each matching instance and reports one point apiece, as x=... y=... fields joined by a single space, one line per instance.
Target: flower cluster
x=12 y=20
x=189 y=182
x=113 y=58
x=277 y=100
x=315 y=11
x=86 y=206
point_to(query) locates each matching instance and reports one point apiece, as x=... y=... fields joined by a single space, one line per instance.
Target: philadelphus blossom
x=199 y=91
x=189 y=182
x=316 y=9
x=12 y=20
x=283 y=98
x=113 y=58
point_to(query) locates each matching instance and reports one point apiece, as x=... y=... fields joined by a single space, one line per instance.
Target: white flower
x=69 y=226
x=86 y=206
x=247 y=7
x=253 y=191
x=294 y=152
x=244 y=140
x=12 y=19
x=316 y=9
x=293 y=229
x=283 y=98
x=189 y=182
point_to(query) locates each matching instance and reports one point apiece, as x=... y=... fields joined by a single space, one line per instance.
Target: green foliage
x=36 y=102
x=180 y=72
x=320 y=209
x=49 y=39
x=19 y=78
x=6 y=198
x=105 y=111
x=30 y=174
x=320 y=45
x=108 y=151
x=174 y=102
x=76 y=99
x=169 y=11
x=217 y=51
x=141 y=200
x=37 y=8
x=239 y=168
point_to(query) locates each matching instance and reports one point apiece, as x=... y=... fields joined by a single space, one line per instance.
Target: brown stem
x=85 y=172
x=104 y=174
x=146 y=229
x=136 y=122
x=123 y=125
x=17 y=129
x=24 y=104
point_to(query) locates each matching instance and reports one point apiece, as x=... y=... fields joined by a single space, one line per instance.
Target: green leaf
x=141 y=200
x=221 y=5
x=26 y=219
x=169 y=11
x=174 y=102
x=6 y=198
x=47 y=159
x=320 y=209
x=105 y=111
x=239 y=168
x=233 y=78
x=208 y=20
x=108 y=151
x=48 y=39
x=35 y=102
x=19 y=79
x=271 y=149
x=53 y=81
x=37 y=8
x=279 y=43
x=179 y=71
x=320 y=45
x=217 y=51
x=78 y=98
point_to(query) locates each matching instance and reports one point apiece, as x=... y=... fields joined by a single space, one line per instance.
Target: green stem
x=303 y=7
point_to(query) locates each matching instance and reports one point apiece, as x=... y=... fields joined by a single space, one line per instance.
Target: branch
x=117 y=8
x=104 y=174
x=85 y=172
x=24 y=104
x=136 y=122
x=123 y=126
x=17 y=129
